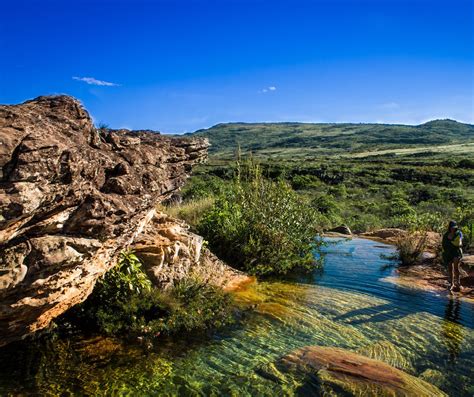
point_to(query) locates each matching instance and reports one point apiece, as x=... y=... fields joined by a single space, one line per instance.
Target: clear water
x=347 y=305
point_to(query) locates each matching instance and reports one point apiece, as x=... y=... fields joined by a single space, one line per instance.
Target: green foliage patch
x=262 y=226
x=124 y=303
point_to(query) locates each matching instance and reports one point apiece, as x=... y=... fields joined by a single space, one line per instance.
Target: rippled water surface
x=347 y=305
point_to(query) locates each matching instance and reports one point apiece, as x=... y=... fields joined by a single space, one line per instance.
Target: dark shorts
x=447 y=259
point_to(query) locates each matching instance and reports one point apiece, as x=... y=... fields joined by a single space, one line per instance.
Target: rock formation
x=170 y=252
x=342 y=229
x=432 y=240
x=72 y=197
x=333 y=371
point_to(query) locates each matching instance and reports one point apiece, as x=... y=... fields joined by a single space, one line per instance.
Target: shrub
x=410 y=248
x=399 y=206
x=262 y=226
x=362 y=222
x=465 y=217
x=199 y=188
x=325 y=204
x=300 y=182
x=124 y=303
x=420 y=221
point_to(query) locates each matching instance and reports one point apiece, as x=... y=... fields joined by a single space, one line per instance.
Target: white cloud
x=94 y=81
x=389 y=105
x=268 y=89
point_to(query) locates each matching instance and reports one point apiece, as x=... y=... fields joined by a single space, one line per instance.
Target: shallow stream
x=347 y=305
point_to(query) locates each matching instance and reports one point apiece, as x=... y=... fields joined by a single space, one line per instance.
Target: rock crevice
x=72 y=197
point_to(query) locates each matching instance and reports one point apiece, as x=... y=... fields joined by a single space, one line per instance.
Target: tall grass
x=190 y=211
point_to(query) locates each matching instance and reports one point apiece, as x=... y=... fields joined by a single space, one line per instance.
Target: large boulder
x=317 y=370
x=342 y=229
x=72 y=197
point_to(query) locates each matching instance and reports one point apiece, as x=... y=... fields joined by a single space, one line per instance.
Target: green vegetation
x=367 y=176
x=365 y=193
x=262 y=226
x=410 y=249
x=303 y=139
x=124 y=303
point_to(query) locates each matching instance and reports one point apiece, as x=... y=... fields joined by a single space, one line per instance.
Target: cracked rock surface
x=72 y=197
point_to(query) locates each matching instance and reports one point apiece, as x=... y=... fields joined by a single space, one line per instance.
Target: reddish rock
x=333 y=371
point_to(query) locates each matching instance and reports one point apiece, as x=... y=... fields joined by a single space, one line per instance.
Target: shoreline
x=426 y=276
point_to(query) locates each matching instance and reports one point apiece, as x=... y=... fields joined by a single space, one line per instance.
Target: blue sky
x=177 y=66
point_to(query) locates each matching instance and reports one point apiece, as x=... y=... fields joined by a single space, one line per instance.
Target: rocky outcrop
x=333 y=371
x=170 y=252
x=432 y=240
x=71 y=197
x=342 y=229
x=430 y=277
x=429 y=274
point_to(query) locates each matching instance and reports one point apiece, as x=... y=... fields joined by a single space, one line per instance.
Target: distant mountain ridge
x=332 y=138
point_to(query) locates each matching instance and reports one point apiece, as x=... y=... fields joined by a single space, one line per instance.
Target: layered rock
x=170 y=252
x=71 y=197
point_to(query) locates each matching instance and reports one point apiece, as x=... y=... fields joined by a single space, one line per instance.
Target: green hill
x=302 y=139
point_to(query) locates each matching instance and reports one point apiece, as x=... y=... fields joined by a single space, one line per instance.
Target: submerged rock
x=434 y=377
x=72 y=197
x=317 y=370
x=389 y=353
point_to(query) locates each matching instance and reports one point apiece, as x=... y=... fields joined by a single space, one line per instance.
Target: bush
x=363 y=222
x=124 y=303
x=410 y=248
x=199 y=188
x=465 y=218
x=262 y=226
x=325 y=204
x=300 y=182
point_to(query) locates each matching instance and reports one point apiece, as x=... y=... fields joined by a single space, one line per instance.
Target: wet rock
x=71 y=198
x=317 y=370
x=431 y=277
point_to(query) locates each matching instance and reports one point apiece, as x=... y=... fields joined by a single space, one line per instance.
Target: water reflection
x=452 y=330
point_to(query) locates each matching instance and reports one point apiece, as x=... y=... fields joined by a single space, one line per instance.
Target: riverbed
x=347 y=304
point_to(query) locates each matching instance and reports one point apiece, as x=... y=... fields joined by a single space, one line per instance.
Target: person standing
x=452 y=254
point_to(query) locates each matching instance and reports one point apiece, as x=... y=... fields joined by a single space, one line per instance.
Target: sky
x=178 y=66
